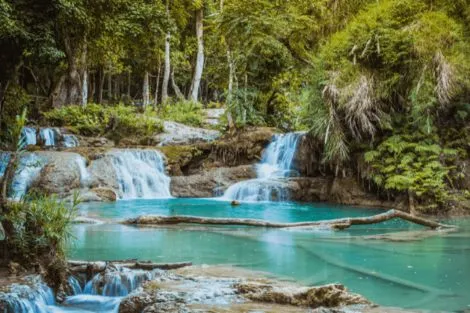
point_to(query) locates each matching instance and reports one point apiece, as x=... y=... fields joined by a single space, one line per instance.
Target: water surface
x=431 y=274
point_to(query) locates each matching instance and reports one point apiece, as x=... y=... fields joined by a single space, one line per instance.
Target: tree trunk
x=157 y=85
x=200 y=56
x=129 y=84
x=85 y=88
x=341 y=223
x=84 y=81
x=100 y=266
x=92 y=87
x=117 y=88
x=110 y=88
x=177 y=90
x=145 y=90
x=101 y=85
x=69 y=89
x=231 y=124
x=166 y=71
x=3 y=90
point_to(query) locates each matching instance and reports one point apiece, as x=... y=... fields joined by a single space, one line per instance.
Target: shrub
x=186 y=112
x=40 y=226
x=114 y=122
x=413 y=164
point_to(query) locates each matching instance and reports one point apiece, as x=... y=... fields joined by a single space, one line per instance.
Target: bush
x=114 y=122
x=415 y=164
x=186 y=112
x=40 y=226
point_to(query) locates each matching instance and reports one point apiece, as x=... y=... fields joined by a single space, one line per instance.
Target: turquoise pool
x=431 y=273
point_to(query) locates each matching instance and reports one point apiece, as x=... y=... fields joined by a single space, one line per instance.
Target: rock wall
x=336 y=190
x=209 y=183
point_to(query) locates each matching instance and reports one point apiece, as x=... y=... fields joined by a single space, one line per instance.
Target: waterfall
x=70 y=141
x=29 y=167
x=102 y=294
x=275 y=165
x=26 y=299
x=75 y=285
x=140 y=174
x=84 y=174
x=48 y=136
x=28 y=135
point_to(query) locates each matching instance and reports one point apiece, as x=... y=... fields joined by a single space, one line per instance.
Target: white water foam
x=141 y=174
x=275 y=166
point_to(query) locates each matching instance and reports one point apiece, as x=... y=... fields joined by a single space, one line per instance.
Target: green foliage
x=186 y=112
x=15 y=105
x=243 y=108
x=41 y=226
x=115 y=122
x=415 y=164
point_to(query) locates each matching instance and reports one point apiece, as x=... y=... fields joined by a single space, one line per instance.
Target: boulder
x=307 y=159
x=103 y=174
x=136 y=302
x=105 y=194
x=180 y=134
x=60 y=175
x=97 y=142
x=335 y=190
x=332 y=295
x=211 y=183
x=244 y=147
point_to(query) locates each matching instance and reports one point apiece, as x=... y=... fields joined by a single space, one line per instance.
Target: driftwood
x=339 y=224
x=100 y=266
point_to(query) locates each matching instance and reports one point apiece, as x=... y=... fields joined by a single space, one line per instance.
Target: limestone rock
x=105 y=194
x=136 y=302
x=95 y=142
x=103 y=174
x=60 y=175
x=180 y=134
x=206 y=184
x=335 y=190
x=333 y=295
x=243 y=147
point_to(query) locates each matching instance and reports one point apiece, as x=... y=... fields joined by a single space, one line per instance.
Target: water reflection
x=431 y=273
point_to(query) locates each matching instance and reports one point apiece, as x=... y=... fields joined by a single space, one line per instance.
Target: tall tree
x=195 y=85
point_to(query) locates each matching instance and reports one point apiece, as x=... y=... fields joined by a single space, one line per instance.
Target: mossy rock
x=179 y=157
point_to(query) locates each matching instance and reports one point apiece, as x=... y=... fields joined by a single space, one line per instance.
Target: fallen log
x=100 y=266
x=339 y=224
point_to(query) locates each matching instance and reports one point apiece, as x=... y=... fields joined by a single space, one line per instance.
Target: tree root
x=338 y=224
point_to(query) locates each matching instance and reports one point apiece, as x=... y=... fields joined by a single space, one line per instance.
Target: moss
x=179 y=157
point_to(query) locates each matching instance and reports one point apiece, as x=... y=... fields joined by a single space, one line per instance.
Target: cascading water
x=84 y=174
x=28 y=299
x=275 y=165
x=48 y=136
x=70 y=141
x=28 y=134
x=28 y=169
x=102 y=294
x=141 y=174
